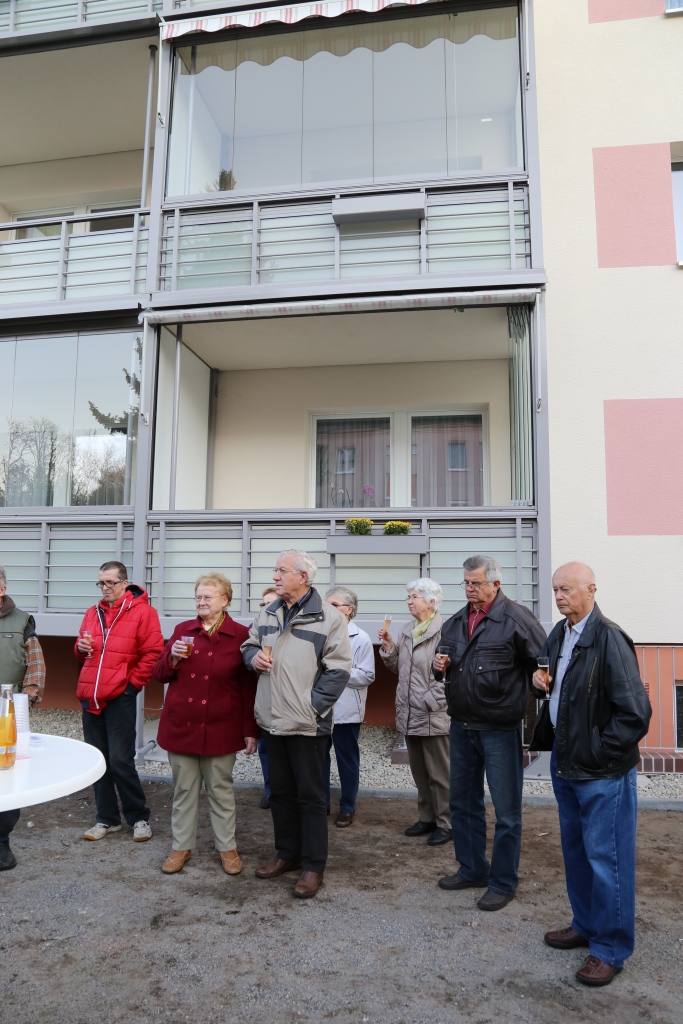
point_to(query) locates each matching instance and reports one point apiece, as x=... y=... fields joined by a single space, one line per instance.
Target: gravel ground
x=376 y=772
x=94 y=931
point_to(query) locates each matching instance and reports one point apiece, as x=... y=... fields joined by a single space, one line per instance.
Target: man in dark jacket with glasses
x=597 y=712
x=492 y=646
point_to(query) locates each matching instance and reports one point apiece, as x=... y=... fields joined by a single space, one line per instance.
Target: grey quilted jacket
x=420 y=699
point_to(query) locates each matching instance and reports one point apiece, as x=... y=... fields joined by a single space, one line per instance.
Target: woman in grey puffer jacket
x=421 y=714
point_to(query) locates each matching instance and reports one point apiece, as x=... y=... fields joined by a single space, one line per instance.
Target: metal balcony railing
x=473 y=229
x=51 y=15
x=52 y=565
x=77 y=257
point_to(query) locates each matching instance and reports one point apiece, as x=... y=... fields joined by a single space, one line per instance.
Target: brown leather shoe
x=596 y=972
x=344 y=819
x=565 y=938
x=277 y=867
x=308 y=884
x=231 y=861
x=175 y=861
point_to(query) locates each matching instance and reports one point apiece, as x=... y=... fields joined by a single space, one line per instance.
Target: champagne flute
x=88 y=636
x=544 y=666
x=444 y=652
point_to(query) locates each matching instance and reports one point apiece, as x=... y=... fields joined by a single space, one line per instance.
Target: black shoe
x=458 y=882
x=440 y=836
x=265 y=804
x=495 y=900
x=7 y=858
x=420 y=828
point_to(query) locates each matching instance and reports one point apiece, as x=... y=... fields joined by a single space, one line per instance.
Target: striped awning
x=286 y=15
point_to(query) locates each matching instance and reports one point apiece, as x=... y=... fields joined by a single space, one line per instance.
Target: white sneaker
x=141 y=832
x=99 y=831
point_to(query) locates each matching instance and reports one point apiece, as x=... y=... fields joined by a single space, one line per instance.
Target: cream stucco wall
x=611 y=333
x=263 y=422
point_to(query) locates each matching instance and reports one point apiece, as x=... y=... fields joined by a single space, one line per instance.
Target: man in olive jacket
x=300 y=646
x=493 y=644
x=597 y=712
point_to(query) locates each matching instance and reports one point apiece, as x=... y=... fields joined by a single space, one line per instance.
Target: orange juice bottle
x=8 y=728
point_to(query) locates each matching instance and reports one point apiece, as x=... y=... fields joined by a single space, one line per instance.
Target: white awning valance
x=286 y=15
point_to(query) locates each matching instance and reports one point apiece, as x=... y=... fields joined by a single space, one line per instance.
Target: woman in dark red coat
x=208 y=716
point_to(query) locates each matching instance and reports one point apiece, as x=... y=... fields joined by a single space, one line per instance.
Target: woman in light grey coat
x=421 y=714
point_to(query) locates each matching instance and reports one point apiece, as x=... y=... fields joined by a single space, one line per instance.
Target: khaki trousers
x=188 y=771
x=430 y=763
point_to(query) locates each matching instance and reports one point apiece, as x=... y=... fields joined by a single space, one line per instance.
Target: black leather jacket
x=603 y=711
x=489 y=676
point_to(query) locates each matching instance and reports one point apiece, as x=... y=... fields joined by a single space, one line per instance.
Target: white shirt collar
x=353 y=628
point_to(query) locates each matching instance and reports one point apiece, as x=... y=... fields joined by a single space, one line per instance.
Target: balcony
x=52 y=563
x=75 y=258
x=53 y=15
x=469 y=231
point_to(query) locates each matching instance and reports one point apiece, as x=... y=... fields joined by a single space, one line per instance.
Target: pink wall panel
x=634 y=207
x=644 y=466
x=622 y=10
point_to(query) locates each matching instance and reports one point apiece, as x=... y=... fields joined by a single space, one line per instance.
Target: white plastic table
x=56 y=767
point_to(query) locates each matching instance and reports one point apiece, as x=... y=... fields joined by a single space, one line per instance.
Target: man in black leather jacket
x=597 y=712
x=492 y=645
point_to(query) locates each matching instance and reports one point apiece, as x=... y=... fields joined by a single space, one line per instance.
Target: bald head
x=574 y=588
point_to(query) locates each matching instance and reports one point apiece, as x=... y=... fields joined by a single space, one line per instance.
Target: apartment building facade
x=263 y=269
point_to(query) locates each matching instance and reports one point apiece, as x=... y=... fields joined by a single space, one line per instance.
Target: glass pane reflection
x=69 y=427
x=434 y=94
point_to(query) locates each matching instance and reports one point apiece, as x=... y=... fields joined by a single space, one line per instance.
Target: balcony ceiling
x=73 y=102
x=357 y=338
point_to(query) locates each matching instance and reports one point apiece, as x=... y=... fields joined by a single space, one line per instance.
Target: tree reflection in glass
x=62 y=446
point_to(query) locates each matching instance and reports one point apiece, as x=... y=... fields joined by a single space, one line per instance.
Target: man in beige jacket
x=300 y=646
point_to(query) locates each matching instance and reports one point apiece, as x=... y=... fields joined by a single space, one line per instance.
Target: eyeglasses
x=281 y=572
x=109 y=586
x=473 y=585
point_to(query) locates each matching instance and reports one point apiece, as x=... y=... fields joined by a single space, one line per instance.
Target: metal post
x=143 y=464
x=176 y=410
x=12 y=14
x=254 y=243
x=161 y=568
x=190 y=120
x=149 y=118
x=62 y=261
x=156 y=216
x=119 y=541
x=542 y=458
x=511 y=213
x=43 y=574
x=134 y=252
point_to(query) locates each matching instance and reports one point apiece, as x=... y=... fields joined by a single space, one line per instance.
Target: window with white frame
x=431 y=460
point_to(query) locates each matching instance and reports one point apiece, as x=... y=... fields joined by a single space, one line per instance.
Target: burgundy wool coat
x=209 y=705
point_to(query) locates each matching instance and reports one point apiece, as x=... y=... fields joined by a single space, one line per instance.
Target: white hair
x=428 y=589
x=302 y=562
x=490 y=566
x=3 y=577
x=349 y=597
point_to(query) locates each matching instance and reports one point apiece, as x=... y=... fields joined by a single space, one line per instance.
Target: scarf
x=216 y=625
x=420 y=628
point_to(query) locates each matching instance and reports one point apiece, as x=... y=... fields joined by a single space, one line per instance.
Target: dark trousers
x=598 y=832
x=499 y=754
x=113 y=733
x=347 y=752
x=297 y=798
x=8 y=820
x=263 y=758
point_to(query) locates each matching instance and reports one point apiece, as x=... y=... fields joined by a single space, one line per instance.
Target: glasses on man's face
x=473 y=584
x=281 y=572
x=106 y=585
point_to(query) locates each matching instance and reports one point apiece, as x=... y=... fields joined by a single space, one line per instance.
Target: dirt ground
x=95 y=932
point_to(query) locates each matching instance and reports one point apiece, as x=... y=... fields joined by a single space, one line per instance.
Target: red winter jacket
x=127 y=641
x=209 y=705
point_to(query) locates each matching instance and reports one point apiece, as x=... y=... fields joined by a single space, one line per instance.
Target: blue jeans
x=598 y=831
x=345 y=739
x=263 y=758
x=499 y=754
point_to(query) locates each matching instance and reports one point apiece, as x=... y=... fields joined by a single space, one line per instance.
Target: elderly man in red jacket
x=120 y=640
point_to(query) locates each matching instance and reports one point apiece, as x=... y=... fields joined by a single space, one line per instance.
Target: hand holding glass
x=443 y=654
x=543 y=667
x=189 y=645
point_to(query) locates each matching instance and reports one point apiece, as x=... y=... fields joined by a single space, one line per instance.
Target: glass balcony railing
x=52 y=15
x=72 y=258
x=486 y=229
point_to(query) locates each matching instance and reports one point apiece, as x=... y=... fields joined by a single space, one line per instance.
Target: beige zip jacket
x=312 y=663
x=420 y=699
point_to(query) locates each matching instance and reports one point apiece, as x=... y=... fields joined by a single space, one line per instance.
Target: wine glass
x=544 y=666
